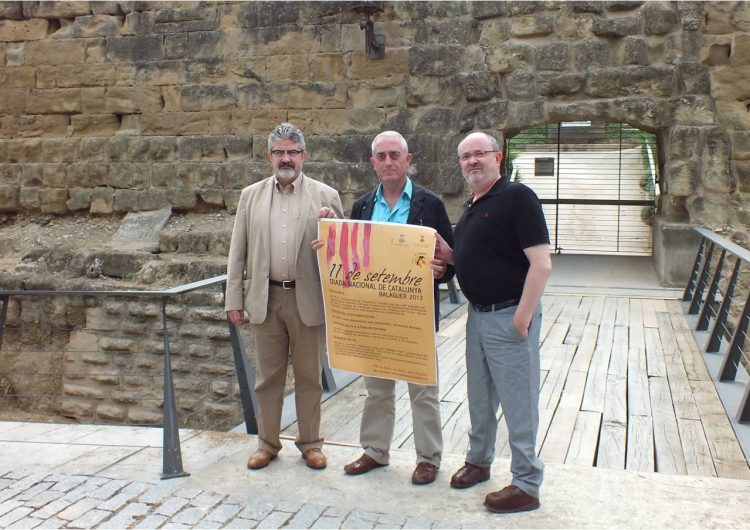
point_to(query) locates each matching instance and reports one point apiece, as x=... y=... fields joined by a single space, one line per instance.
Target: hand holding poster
x=378 y=296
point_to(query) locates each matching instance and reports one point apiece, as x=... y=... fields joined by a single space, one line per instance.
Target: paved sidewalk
x=78 y=476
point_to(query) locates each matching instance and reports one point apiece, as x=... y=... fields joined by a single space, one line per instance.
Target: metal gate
x=597 y=182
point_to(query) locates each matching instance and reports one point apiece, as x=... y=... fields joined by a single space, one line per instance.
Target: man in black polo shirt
x=502 y=262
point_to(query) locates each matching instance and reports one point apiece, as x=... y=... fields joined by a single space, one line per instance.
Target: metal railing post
x=246 y=380
x=717 y=333
x=3 y=315
x=711 y=295
x=702 y=280
x=171 y=452
x=728 y=369
x=452 y=292
x=329 y=383
x=688 y=294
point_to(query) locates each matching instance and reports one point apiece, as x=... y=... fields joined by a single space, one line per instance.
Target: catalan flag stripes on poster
x=378 y=296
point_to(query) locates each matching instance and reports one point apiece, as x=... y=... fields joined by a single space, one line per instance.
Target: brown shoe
x=424 y=473
x=315 y=458
x=469 y=475
x=259 y=459
x=509 y=500
x=363 y=464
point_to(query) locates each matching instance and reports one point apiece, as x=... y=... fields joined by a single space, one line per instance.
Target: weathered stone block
x=28 y=198
x=126 y=201
x=395 y=63
x=80 y=199
x=54 y=201
x=709 y=211
x=60 y=150
x=572 y=25
x=492 y=114
x=161 y=73
x=553 y=57
x=715 y=171
x=23 y=30
x=452 y=31
x=55 y=52
x=532 y=26
x=110 y=412
x=424 y=90
x=144 y=416
x=684 y=142
x=185 y=123
x=731 y=84
x=210 y=175
x=288 y=67
x=743 y=176
x=32 y=175
x=102 y=200
x=56 y=101
x=46 y=9
x=682 y=178
x=53 y=176
x=128 y=100
x=188 y=175
x=634 y=51
x=616 y=27
x=740 y=145
x=560 y=84
x=213 y=197
x=153 y=199
x=375 y=95
x=327 y=67
x=201 y=147
x=693 y=110
x=183 y=198
x=591 y=54
x=436 y=60
x=244 y=121
x=659 y=18
x=740 y=52
x=481 y=86
x=521 y=84
x=482 y=10
x=11 y=10
x=693 y=78
x=94 y=124
x=17 y=77
x=161 y=148
x=126 y=175
x=9 y=198
x=493 y=33
x=11 y=174
x=631 y=81
x=207 y=97
x=134 y=49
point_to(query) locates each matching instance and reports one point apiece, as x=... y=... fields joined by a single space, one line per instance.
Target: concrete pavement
x=77 y=476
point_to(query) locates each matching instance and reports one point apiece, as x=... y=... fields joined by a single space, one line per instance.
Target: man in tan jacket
x=272 y=274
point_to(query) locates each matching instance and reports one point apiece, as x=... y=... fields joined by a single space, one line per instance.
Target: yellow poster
x=378 y=295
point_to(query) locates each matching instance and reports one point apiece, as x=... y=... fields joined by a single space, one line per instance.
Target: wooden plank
x=611 y=452
x=667 y=445
x=618 y=361
x=639 y=403
x=635 y=326
x=682 y=394
x=597 y=308
x=660 y=305
x=623 y=312
x=692 y=360
x=593 y=397
x=457 y=392
x=585 y=350
x=557 y=441
x=572 y=394
x=649 y=313
x=615 y=401
x=640 y=455
x=695 y=448
x=550 y=392
x=655 y=366
x=578 y=321
x=550 y=312
x=584 y=440
x=455 y=430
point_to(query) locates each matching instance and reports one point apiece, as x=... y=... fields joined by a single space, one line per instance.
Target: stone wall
x=122 y=106
x=101 y=360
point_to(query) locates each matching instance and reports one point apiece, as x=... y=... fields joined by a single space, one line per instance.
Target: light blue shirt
x=400 y=212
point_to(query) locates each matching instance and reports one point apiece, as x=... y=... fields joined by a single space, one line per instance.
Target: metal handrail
x=701 y=296
x=172 y=455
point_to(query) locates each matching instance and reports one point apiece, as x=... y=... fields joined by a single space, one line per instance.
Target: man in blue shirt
x=398 y=200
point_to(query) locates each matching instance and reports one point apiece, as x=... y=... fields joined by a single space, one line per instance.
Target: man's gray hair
x=493 y=141
x=287 y=131
x=392 y=134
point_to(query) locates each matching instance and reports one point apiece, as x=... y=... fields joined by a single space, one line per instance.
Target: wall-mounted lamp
x=374 y=43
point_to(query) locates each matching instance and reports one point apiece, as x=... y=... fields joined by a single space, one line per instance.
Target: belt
x=286 y=284
x=495 y=307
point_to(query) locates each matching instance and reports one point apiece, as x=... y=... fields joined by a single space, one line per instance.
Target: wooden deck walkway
x=623 y=387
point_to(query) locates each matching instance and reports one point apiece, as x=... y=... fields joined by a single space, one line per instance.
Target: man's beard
x=286 y=172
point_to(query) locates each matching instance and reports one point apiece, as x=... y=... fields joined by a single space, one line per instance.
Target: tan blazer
x=249 y=252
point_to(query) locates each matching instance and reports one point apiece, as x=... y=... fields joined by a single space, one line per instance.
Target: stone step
x=214 y=242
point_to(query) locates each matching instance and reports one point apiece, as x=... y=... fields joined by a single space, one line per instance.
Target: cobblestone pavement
x=42 y=500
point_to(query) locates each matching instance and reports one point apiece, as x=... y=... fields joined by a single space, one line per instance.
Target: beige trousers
x=378 y=417
x=280 y=338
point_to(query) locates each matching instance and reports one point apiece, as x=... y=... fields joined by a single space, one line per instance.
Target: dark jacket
x=426 y=209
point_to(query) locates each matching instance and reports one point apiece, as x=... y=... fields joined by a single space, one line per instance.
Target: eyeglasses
x=465 y=157
x=279 y=153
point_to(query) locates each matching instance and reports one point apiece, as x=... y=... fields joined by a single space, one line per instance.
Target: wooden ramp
x=623 y=387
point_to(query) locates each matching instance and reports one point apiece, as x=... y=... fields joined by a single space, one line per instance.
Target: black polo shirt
x=489 y=241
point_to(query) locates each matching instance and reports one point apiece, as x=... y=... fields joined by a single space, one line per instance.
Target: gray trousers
x=502 y=368
x=378 y=417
